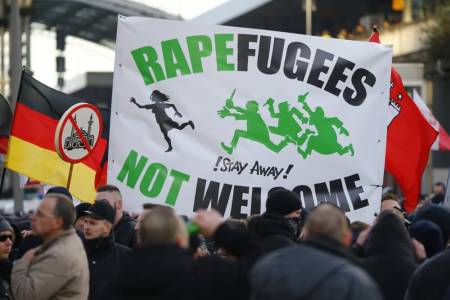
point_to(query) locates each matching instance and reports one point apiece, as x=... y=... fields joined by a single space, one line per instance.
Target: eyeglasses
x=40 y=214
x=3 y=238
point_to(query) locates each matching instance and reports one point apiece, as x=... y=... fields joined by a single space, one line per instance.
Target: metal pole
x=308 y=10
x=407 y=12
x=27 y=40
x=2 y=61
x=15 y=65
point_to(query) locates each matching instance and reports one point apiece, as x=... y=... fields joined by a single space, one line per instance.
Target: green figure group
x=323 y=139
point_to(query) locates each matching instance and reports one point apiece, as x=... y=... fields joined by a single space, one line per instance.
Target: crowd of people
x=98 y=251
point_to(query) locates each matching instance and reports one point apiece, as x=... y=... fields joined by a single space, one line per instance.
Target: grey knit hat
x=4 y=225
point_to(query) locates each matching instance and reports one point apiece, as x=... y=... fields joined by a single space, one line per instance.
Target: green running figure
x=287 y=123
x=325 y=140
x=256 y=127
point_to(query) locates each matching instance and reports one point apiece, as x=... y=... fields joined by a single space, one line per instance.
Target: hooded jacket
x=431 y=280
x=305 y=272
x=388 y=256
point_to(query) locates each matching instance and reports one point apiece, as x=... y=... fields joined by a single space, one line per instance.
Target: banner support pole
x=70 y=177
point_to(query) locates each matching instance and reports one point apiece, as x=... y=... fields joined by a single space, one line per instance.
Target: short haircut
x=389 y=196
x=109 y=188
x=327 y=220
x=358 y=226
x=237 y=224
x=441 y=184
x=63 y=209
x=151 y=205
x=160 y=226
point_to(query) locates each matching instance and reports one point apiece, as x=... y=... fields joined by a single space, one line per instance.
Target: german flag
x=31 y=149
x=5 y=124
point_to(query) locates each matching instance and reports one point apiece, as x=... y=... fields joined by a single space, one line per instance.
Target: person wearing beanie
x=80 y=211
x=429 y=234
x=284 y=202
x=104 y=255
x=437 y=214
x=318 y=268
x=6 y=242
x=59 y=190
x=279 y=226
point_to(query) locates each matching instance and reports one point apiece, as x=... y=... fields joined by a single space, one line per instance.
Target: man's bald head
x=327 y=220
x=162 y=226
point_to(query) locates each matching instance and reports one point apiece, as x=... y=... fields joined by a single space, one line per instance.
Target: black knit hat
x=59 y=190
x=4 y=225
x=283 y=202
x=81 y=209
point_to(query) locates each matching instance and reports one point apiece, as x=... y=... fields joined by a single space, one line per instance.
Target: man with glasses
x=6 y=243
x=58 y=269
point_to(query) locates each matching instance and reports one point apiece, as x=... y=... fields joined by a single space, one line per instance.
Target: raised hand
x=302 y=98
x=229 y=103
x=269 y=102
x=208 y=221
x=132 y=100
x=225 y=112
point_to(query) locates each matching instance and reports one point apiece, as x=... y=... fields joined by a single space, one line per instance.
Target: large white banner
x=216 y=116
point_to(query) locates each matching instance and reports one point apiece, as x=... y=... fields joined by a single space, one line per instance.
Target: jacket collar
x=49 y=243
x=99 y=244
x=330 y=246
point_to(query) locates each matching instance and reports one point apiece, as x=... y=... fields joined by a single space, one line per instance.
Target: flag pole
x=2 y=181
x=15 y=57
x=70 y=177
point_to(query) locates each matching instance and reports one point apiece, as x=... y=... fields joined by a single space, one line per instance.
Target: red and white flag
x=442 y=142
x=409 y=139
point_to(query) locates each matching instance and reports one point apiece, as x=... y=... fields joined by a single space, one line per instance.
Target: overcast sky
x=83 y=56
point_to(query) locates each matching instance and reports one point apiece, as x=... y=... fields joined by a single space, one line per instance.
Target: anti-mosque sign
x=215 y=116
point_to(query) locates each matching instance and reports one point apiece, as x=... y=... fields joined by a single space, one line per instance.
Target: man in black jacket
x=279 y=226
x=103 y=253
x=124 y=224
x=163 y=268
x=389 y=255
x=319 y=268
x=431 y=280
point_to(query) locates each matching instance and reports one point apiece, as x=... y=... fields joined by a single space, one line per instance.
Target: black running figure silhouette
x=158 y=108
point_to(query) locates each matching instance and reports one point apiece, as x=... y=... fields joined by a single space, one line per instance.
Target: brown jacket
x=58 y=271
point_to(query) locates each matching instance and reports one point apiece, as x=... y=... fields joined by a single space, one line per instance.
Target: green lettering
x=174 y=58
x=199 y=46
x=150 y=187
x=132 y=169
x=146 y=59
x=222 y=52
x=178 y=179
